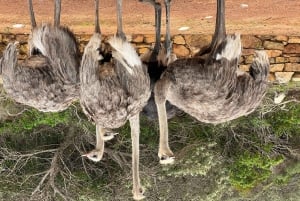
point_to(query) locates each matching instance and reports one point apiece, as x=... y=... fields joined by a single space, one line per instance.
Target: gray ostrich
x=211 y=90
x=156 y=60
x=114 y=92
x=49 y=79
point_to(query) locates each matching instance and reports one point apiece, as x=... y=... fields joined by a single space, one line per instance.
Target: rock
x=180 y=50
x=244 y=67
x=271 y=45
x=137 y=38
x=278 y=98
x=22 y=38
x=249 y=59
x=292 y=67
x=283 y=77
x=292 y=48
x=294 y=59
x=249 y=41
x=271 y=77
x=274 y=53
x=23 y=49
x=85 y=37
x=199 y=41
x=248 y=52
x=179 y=39
x=281 y=59
x=7 y=38
x=281 y=38
x=294 y=39
x=149 y=38
x=142 y=50
x=276 y=67
x=296 y=77
x=272 y=60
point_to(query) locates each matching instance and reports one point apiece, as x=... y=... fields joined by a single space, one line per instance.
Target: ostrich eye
x=94 y=156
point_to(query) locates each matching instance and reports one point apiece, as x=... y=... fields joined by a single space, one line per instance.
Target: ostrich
x=157 y=61
x=114 y=92
x=49 y=79
x=211 y=90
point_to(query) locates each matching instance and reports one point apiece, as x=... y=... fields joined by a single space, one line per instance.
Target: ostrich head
x=94 y=155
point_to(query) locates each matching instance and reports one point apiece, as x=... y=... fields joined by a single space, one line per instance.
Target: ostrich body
x=49 y=79
x=114 y=92
x=157 y=61
x=211 y=90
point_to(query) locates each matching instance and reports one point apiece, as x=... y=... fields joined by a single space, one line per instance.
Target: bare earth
x=260 y=17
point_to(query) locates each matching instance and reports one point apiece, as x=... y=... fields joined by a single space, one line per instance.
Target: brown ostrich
x=156 y=60
x=113 y=92
x=211 y=90
x=49 y=79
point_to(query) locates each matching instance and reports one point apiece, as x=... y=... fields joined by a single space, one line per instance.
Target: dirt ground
x=260 y=17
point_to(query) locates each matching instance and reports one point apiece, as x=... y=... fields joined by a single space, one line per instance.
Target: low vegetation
x=40 y=155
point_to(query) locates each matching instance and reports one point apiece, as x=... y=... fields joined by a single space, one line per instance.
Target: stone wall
x=283 y=51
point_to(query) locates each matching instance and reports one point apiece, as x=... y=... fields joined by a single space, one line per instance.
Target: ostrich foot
x=138 y=194
x=166 y=158
x=109 y=135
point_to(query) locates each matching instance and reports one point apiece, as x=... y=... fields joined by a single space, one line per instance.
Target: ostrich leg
x=32 y=18
x=157 y=9
x=120 y=32
x=97 y=154
x=165 y=154
x=135 y=133
x=57 y=10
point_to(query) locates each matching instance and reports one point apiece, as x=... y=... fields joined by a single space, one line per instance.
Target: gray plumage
x=110 y=95
x=114 y=91
x=213 y=90
x=49 y=79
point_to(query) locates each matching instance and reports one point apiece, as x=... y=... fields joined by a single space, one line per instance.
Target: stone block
x=250 y=41
x=249 y=59
x=271 y=45
x=142 y=50
x=248 y=52
x=23 y=49
x=276 y=67
x=294 y=59
x=271 y=77
x=281 y=38
x=274 y=53
x=137 y=38
x=292 y=67
x=7 y=38
x=179 y=39
x=22 y=38
x=294 y=39
x=180 y=50
x=283 y=77
x=296 y=77
x=272 y=60
x=281 y=59
x=199 y=41
x=244 y=67
x=292 y=48
x=149 y=38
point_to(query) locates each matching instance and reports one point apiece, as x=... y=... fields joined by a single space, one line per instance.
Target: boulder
x=283 y=77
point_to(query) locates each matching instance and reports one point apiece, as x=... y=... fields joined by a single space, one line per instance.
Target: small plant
x=250 y=169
